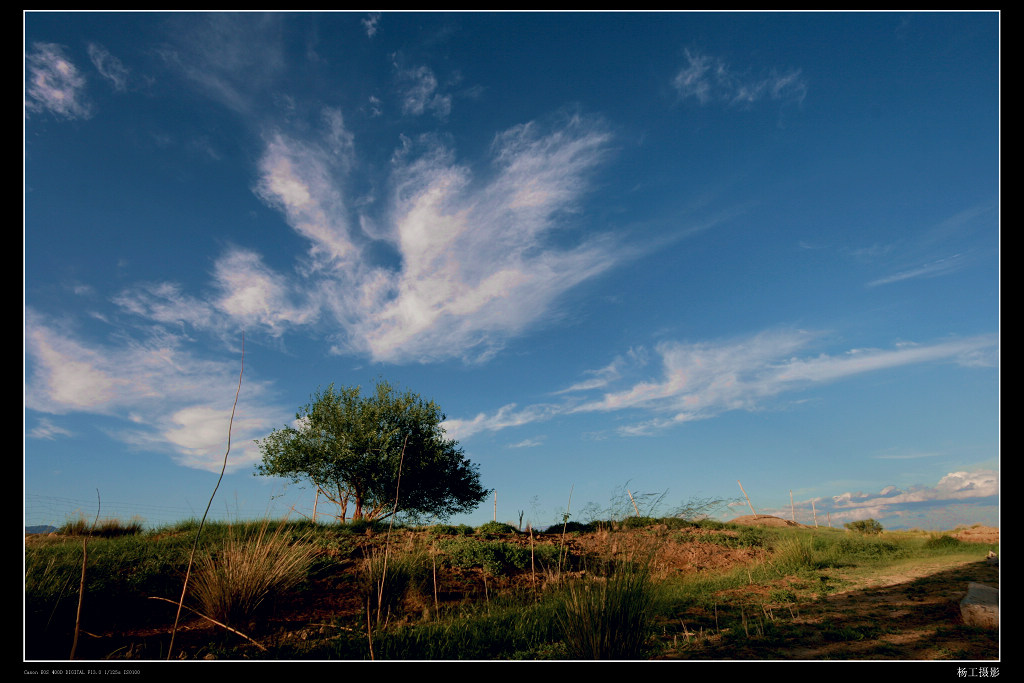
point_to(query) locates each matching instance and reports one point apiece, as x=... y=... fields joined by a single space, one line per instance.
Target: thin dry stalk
x=533 y=569
x=391 y=524
x=202 y=522
x=565 y=523
x=81 y=584
x=81 y=592
x=433 y=560
x=213 y=621
x=369 y=631
x=633 y=501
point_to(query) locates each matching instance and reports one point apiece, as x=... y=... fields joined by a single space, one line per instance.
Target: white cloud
x=507 y=416
x=256 y=296
x=953 y=487
x=165 y=303
x=54 y=84
x=173 y=401
x=370 y=23
x=527 y=443
x=710 y=80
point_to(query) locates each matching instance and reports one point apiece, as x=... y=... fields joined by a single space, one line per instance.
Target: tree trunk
x=342 y=503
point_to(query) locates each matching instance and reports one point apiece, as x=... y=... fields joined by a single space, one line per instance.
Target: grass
x=108 y=527
x=607 y=616
x=449 y=594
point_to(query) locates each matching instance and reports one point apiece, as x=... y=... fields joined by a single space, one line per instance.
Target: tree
x=365 y=449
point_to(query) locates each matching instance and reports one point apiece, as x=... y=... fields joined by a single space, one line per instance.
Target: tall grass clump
x=609 y=616
x=234 y=580
x=796 y=554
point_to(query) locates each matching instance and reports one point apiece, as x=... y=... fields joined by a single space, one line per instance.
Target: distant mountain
x=40 y=529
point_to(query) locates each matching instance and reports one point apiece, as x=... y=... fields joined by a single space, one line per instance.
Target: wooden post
x=315 y=501
x=815 y=512
x=495 y=505
x=748 y=499
x=792 y=510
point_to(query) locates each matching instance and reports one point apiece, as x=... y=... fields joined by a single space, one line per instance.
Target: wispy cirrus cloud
x=941 y=249
x=46 y=429
x=942 y=266
x=233 y=58
x=709 y=80
x=702 y=380
x=54 y=84
x=474 y=260
x=109 y=66
x=371 y=23
x=420 y=94
x=507 y=416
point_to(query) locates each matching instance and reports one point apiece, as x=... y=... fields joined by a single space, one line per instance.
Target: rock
x=980 y=607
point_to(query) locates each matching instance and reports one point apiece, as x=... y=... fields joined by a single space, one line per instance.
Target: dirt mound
x=763 y=520
x=978 y=534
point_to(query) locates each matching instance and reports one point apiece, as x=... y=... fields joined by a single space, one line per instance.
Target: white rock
x=980 y=607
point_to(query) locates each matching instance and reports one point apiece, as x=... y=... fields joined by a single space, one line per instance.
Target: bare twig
x=202 y=522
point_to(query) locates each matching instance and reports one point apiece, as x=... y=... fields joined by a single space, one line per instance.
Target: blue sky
x=663 y=252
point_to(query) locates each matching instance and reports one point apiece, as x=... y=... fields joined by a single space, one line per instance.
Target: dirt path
x=910 y=615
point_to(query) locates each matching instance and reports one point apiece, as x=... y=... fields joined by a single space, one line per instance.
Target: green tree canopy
x=354 y=448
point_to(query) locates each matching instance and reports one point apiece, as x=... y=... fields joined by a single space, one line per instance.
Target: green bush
x=638 y=522
x=943 y=541
x=752 y=537
x=497 y=557
x=865 y=526
x=450 y=530
x=495 y=528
